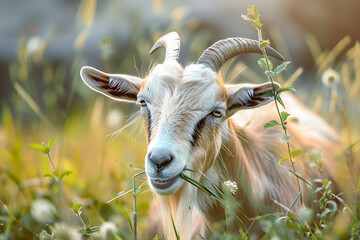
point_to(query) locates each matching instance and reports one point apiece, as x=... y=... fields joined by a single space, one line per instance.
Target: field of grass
x=64 y=192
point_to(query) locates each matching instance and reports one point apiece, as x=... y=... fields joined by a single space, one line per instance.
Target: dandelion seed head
x=330 y=78
x=107 y=48
x=107 y=229
x=45 y=236
x=42 y=210
x=65 y=232
x=114 y=118
x=34 y=44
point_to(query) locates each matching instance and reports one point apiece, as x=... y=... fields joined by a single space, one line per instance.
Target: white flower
x=114 y=118
x=330 y=78
x=34 y=44
x=107 y=229
x=107 y=48
x=45 y=236
x=42 y=210
x=62 y=231
x=231 y=186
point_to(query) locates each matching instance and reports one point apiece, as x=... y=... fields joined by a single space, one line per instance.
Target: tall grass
x=31 y=206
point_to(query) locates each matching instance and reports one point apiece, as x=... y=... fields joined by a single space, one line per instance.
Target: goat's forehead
x=194 y=84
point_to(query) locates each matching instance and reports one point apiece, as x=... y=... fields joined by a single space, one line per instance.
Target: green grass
x=93 y=168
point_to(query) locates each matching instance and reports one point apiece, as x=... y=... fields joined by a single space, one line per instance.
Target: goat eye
x=143 y=103
x=217 y=114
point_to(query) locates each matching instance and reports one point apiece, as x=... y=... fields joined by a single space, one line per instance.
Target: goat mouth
x=163 y=184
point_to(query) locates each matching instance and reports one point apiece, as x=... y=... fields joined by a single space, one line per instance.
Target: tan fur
x=250 y=155
x=234 y=147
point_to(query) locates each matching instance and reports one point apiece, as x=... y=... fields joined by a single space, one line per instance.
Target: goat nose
x=160 y=158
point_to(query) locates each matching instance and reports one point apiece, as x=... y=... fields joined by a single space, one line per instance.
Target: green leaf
x=126 y=215
x=38 y=147
x=285 y=139
x=65 y=173
x=49 y=175
x=47 y=147
x=50 y=143
x=300 y=177
x=296 y=153
x=269 y=74
x=297 y=198
x=56 y=172
x=269 y=93
x=77 y=208
x=89 y=231
x=283 y=160
x=277 y=70
x=264 y=43
x=262 y=64
x=155 y=238
x=43 y=148
x=284 y=115
x=285 y=88
x=271 y=123
x=278 y=98
x=333 y=208
x=281 y=67
x=271 y=66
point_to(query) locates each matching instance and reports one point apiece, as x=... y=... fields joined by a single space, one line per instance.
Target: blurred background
x=43 y=45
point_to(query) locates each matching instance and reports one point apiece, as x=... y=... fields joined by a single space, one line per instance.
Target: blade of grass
x=134 y=196
x=176 y=233
x=297 y=197
x=300 y=177
x=28 y=99
x=204 y=188
x=212 y=184
x=120 y=194
x=295 y=75
x=195 y=183
x=266 y=235
x=126 y=215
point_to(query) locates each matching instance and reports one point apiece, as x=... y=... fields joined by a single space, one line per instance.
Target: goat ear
x=116 y=86
x=247 y=96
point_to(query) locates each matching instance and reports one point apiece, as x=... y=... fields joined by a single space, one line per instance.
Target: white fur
x=235 y=149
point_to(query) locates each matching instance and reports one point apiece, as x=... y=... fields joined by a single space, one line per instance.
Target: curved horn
x=221 y=51
x=171 y=42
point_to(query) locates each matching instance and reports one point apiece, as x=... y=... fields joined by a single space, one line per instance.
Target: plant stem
x=134 y=195
x=52 y=163
x=57 y=178
x=135 y=212
x=83 y=223
x=292 y=161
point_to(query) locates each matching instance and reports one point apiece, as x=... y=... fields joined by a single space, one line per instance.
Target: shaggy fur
x=179 y=104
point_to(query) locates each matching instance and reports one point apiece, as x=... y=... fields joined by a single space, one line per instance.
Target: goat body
x=195 y=121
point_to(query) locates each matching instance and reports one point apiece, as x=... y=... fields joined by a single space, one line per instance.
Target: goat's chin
x=166 y=187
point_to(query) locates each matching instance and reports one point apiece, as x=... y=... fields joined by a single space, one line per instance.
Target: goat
x=194 y=120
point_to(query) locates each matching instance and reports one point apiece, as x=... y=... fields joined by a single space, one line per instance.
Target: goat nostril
x=166 y=162
x=160 y=159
